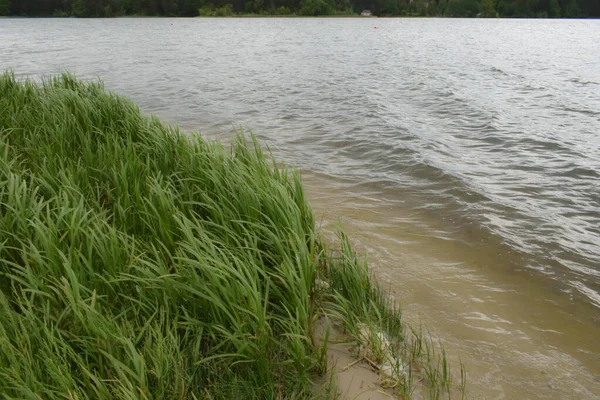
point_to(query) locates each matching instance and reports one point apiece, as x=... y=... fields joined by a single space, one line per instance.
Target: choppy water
x=483 y=136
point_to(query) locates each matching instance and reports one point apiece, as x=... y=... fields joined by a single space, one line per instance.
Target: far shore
x=258 y=16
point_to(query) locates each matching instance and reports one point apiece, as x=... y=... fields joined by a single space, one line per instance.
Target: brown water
x=518 y=337
x=464 y=155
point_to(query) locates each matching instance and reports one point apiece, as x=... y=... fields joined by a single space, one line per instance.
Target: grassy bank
x=140 y=262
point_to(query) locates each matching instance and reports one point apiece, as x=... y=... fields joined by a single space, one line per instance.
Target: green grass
x=137 y=261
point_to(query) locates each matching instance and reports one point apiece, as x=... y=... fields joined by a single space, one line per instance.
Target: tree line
x=191 y=8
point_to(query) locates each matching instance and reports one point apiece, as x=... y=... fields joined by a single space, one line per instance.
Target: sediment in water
x=140 y=262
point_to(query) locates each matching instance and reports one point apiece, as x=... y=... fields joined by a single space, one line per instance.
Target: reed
x=137 y=261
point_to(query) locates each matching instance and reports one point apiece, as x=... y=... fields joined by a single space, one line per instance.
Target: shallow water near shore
x=517 y=337
x=463 y=155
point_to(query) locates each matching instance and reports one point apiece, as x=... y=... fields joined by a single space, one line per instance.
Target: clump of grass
x=136 y=261
x=140 y=262
x=407 y=359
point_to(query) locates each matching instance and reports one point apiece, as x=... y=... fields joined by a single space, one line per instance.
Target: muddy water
x=518 y=337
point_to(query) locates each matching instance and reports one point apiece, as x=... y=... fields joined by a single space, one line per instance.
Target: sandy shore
x=355 y=378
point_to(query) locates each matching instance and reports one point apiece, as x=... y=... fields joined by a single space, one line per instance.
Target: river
x=462 y=155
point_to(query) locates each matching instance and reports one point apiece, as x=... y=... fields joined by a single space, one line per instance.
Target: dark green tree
x=553 y=9
x=316 y=7
x=525 y=8
x=486 y=9
x=442 y=7
x=4 y=7
x=190 y=8
x=168 y=8
x=392 y=7
x=462 y=8
x=422 y=7
x=432 y=8
x=79 y=8
x=570 y=9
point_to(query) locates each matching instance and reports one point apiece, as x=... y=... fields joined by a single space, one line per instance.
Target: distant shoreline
x=258 y=16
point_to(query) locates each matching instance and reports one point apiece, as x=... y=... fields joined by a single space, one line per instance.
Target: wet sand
x=518 y=336
x=354 y=378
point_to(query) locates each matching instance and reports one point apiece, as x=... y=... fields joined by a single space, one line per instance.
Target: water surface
x=464 y=155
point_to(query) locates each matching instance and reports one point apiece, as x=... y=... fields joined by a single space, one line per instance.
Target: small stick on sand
x=352 y=364
x=373 y=363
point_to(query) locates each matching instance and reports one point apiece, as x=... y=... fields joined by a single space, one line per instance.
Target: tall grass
x=140 y=262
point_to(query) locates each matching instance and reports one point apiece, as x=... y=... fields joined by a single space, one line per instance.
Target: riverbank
x=251 y=15
x=517 y=337
x=138 y=261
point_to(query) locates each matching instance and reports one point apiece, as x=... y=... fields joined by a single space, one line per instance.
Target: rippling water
x=487 y=132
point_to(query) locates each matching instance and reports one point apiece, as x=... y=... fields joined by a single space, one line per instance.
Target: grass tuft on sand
x=137 y=261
